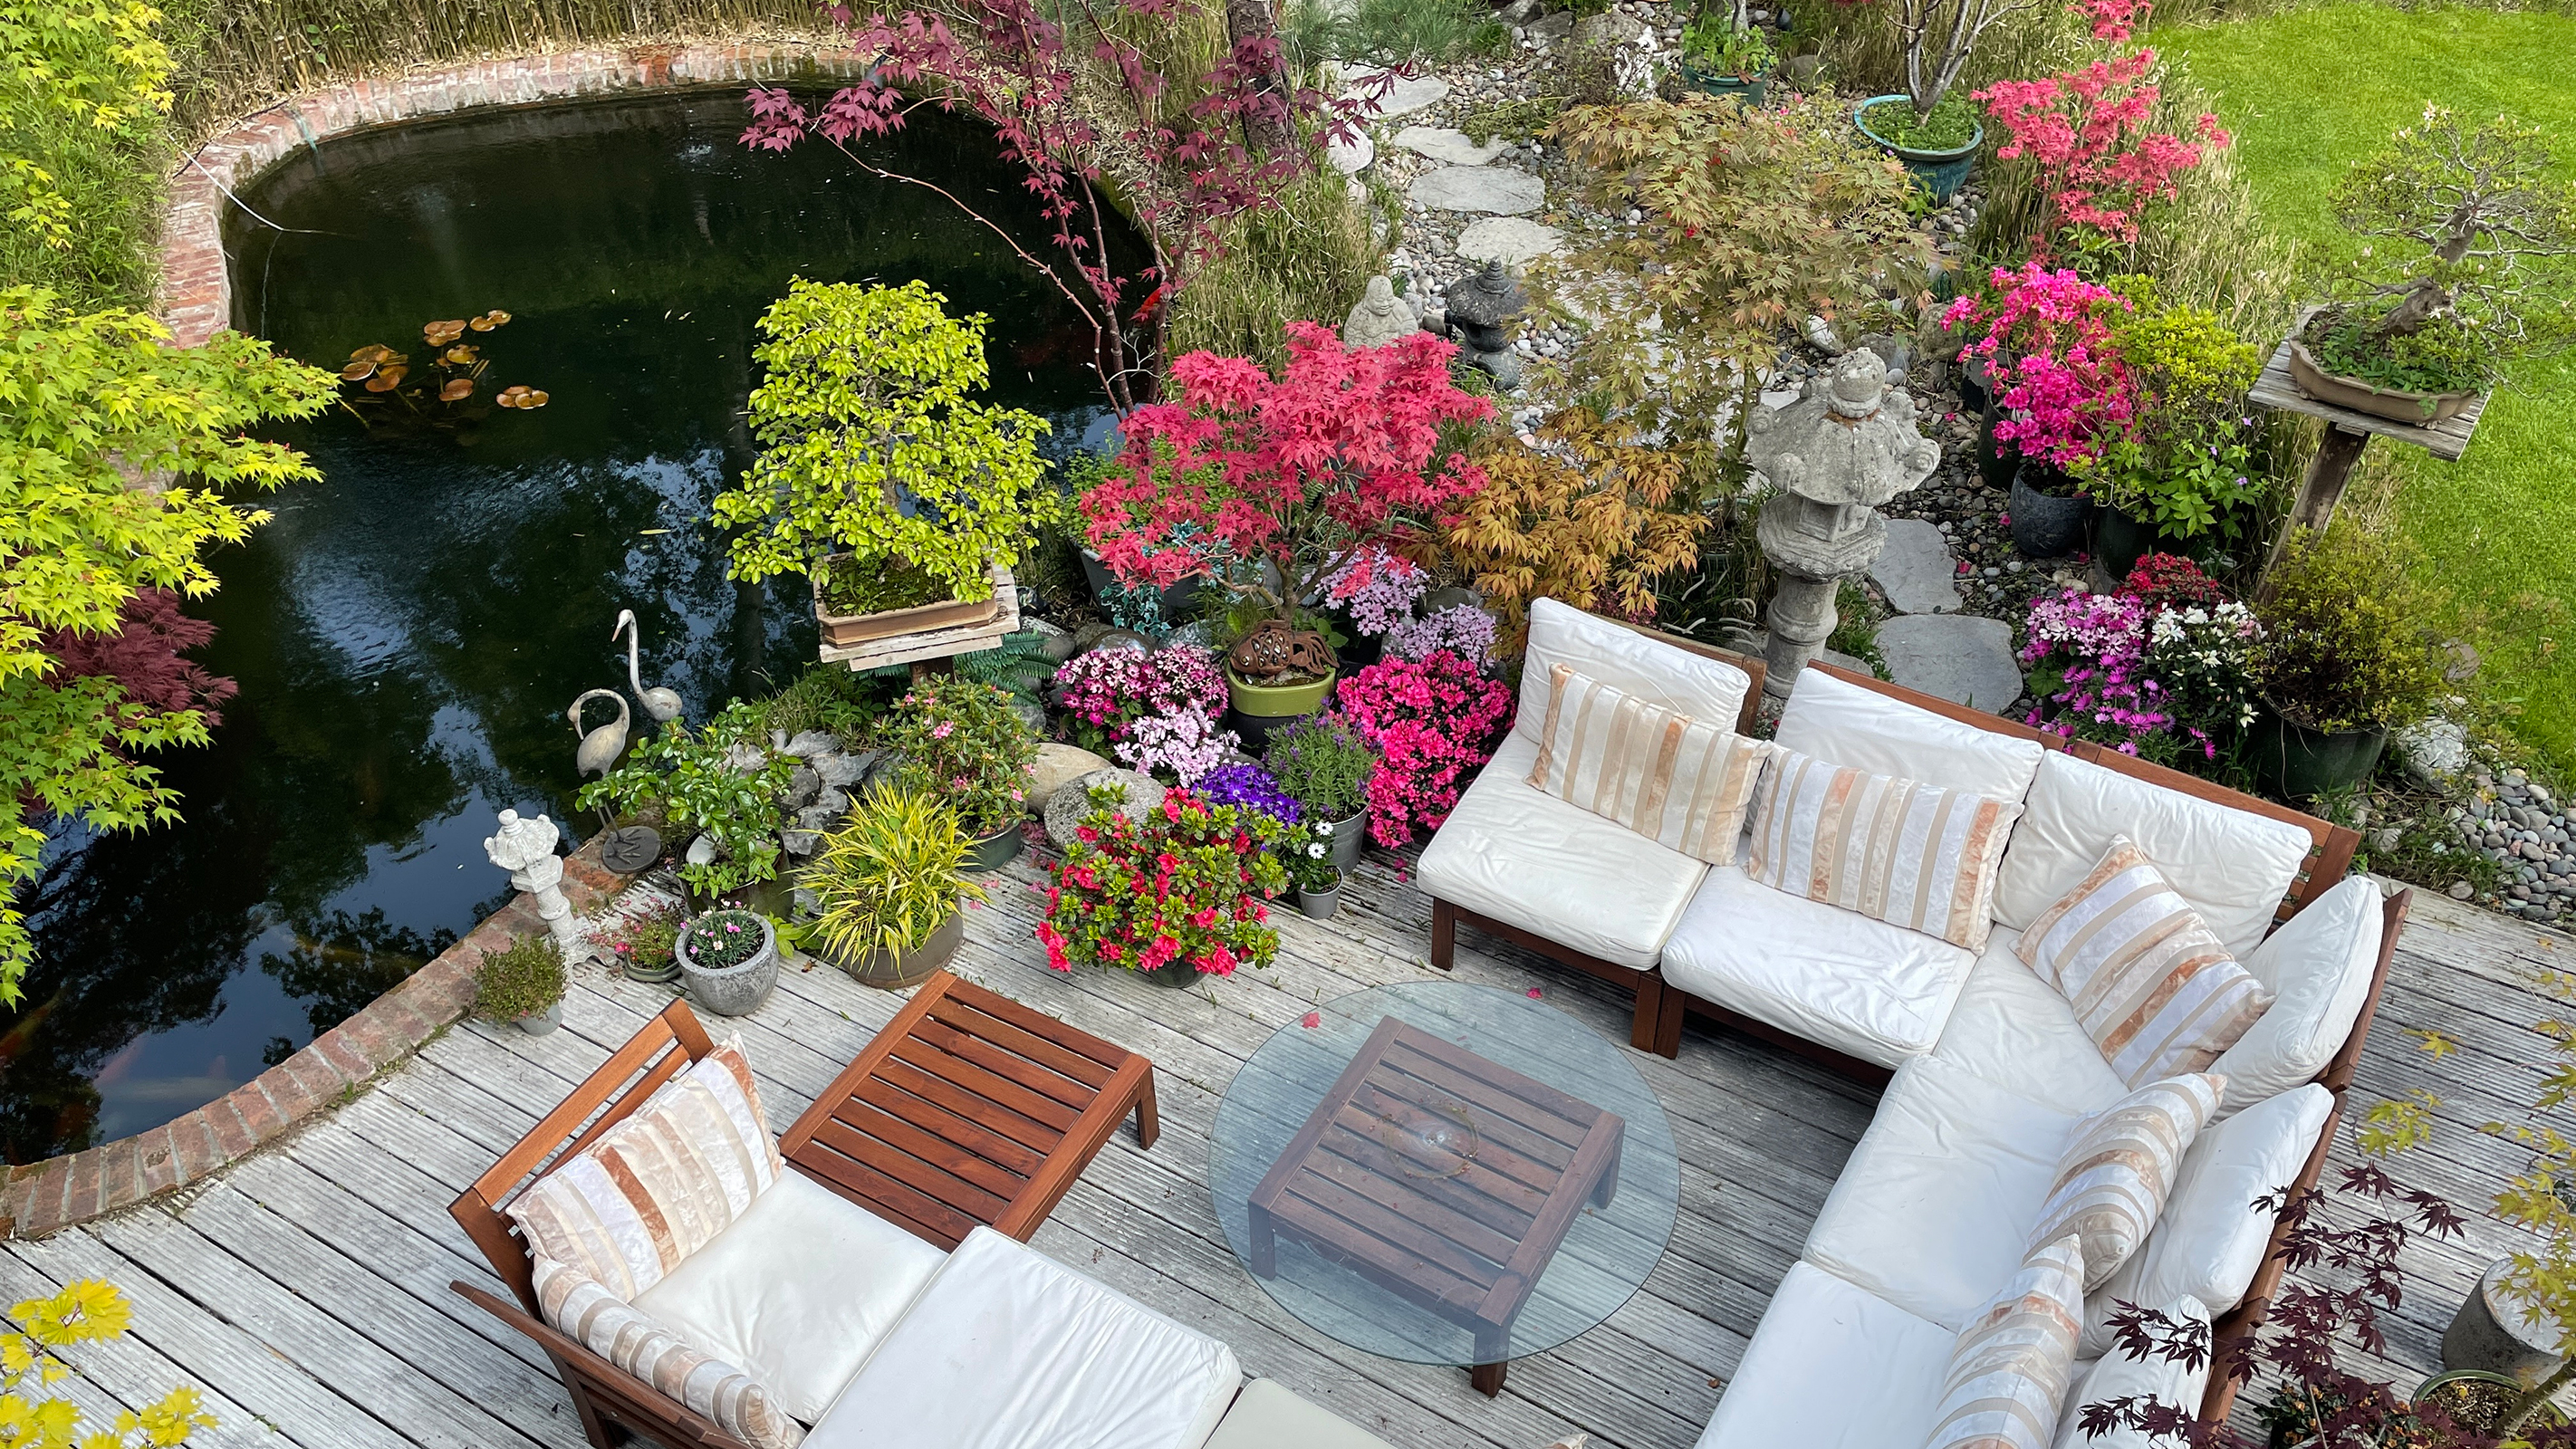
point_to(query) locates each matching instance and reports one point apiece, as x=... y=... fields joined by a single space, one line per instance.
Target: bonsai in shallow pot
x=892 y=883
x=961 y=740
x=2344 y=659
x=2478 y=277
x=880 y=476
x=523 y=985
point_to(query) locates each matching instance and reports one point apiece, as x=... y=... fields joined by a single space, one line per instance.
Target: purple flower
x=1250 y=786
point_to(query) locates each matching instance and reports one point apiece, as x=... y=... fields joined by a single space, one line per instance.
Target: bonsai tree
x=1307 y=472
x=890 y=877
x=871 y=445
x=520 y=982
x=2489 y=282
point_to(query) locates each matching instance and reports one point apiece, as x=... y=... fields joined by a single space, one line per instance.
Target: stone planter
x=1320 y=905
x=2493 y=1334
x=2396 y=404
x=736 y=990
x=2295 y=762
x=1939 y=173
x=986 y=854
x=2046 y=525
x=903 y=970
x=843 y=630
x=542 y=1023
x=1349 y=840
x=2546 y=1415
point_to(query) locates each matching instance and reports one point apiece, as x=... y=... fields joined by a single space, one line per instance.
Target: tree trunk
x=1266 y=131
x=2538 y=1395
x=2424 y=300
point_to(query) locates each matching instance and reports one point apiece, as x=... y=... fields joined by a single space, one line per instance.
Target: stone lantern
x=1848 y=444
x=1482 y=310
x=526 y=849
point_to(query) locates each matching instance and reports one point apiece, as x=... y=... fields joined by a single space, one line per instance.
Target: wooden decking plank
x=130 y=1373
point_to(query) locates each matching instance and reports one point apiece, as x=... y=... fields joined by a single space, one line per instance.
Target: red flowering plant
x=1184 y=884
x=2046 y=336
x=1322 y=470
x=1432 y=721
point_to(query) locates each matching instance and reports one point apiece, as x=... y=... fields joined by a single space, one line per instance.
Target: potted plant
x=720 y=782
x=728 y=960
x=1340 y=453
x=960 y=740
x=2419 y=333
x=1375 y=592
x=1324 y=765
x=2046 y=336
x=2162 y=670
x=1724 y=54
x=1929 y=126
x=880 y=477
x=2179 y=470
x=1309 y=859
x=891 y=883
x=523 y=985
x=1250 y=787
x=1175 y=896
x=1152 y=711
x=2343 y=660
x=643 y=943
x=1433 y=722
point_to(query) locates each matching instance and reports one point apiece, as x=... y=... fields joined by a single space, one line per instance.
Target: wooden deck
x=306 y=1289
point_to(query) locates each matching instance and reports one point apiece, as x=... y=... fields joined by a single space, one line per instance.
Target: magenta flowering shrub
x=1163 y=706
x=1462 y=629
x=2165 y=682
x=1377 y=589
x=2047 y=340
x=1431 y=721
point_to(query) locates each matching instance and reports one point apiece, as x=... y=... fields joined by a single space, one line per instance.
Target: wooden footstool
x=969 y=1109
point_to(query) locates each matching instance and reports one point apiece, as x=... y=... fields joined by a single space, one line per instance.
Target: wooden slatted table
x=969 y=1109
x=1444 y=1177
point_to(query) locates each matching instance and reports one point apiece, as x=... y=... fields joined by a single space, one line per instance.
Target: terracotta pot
x=842 y=630
x=1938 y=172
x=2396 y=404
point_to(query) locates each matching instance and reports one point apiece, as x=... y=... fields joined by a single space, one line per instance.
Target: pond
x=407 y=633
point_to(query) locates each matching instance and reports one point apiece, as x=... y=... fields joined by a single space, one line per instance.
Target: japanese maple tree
x=1033 y=71
x=1337 y=460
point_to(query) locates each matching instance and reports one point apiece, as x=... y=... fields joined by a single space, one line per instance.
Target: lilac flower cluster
x=1252 y=787
x=2115 y=668
x=1378 y=589
x=1462 y=629
x=1186 y=744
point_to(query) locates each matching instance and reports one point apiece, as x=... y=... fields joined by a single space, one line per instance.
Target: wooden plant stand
x=943 y=642
x=1443 y=1177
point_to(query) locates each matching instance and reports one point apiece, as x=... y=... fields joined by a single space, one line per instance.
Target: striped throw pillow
x=660 y=1185
x=1684 y=783
x=2152 y=985
x=2009 y=1369
x=2113 y=1178
x=1904 y=852
x=739 y=1404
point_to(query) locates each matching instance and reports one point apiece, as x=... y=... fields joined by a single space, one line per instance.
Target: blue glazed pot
x=1937 y=172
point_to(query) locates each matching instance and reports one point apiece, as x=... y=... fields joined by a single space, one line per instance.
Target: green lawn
x=2305 y=94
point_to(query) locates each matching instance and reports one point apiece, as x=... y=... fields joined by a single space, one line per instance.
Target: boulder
x=2436 y=752
x=809 y=743
x=1056 y=765
x=841 y=772
x=1072 y=801
x=1609 y=28
x=1549 y=29
x=802 y=786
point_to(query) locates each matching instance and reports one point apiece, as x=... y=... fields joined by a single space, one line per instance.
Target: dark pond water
x=407 y=632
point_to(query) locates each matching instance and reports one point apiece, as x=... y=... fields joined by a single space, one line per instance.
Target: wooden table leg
x=1608 y=1187
x=1149 y=1121
x=1263 y=1234
x=1493 y=1355
x=1487 y=1378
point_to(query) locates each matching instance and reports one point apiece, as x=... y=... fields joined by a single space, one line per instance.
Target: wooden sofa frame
x=612 y=1403
x=1661 y=1006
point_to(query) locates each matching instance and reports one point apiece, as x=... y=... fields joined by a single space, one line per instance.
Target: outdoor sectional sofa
x=1987 y=1071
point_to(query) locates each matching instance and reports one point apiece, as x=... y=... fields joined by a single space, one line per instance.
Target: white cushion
x=1527 y=858
x=1834 y=977
x=1935 y=1209
x=2232 y=865
x=2210 y=1241
x=796 y=1291
x=1007 y=1348
x=1650 y=669
x=1832 y=1367
x=1267 y=1416
x=2318 y=967
x=1835 y=719
x=2014 y=1029
x=2115 y=1375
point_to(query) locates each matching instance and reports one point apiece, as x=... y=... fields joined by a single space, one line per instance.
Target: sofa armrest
x=601 y=1391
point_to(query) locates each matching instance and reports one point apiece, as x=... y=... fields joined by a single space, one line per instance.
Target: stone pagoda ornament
x=1482 y=310
x=526 y=849
x=1379 y=318
x=1848 y=444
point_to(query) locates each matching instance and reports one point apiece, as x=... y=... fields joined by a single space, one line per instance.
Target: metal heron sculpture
x=663 y=705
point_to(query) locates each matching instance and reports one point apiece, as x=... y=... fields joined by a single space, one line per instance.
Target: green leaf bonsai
x=871 y=445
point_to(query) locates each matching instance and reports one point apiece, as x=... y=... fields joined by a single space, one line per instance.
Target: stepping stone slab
x=1443 y=144
x=1916 y=569
x=1498 y=190
x=1958 y=657
x=1509 y=240
x=1407 y=95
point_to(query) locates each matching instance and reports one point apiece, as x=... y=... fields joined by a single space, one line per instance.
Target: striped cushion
x=1901 y=851
x=2153 y=987
x=739 y=1404
x=2112 y=1179
x=1683 y=782
x=661 y=1184
x=2009 y=1369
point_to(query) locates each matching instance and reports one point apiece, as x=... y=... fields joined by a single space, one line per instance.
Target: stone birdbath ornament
x=1848 y=444
x=526 y=849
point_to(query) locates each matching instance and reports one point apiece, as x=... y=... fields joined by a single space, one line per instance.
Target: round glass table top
x=1444 y=1173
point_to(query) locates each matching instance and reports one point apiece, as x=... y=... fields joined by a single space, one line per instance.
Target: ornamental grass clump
x=961 y=741
x=2345 y=645
x=889 y=877
x=521 y=981
x=1432 y=721
x=1157 y=712
x=1324 y=765
x=1184 y=885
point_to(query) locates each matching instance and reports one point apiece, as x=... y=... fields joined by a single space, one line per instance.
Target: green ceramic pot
x=1754 y=90
x=2295 y=762
x=1938 y=172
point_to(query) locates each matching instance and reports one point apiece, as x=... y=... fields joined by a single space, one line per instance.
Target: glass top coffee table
x=1444 y=1173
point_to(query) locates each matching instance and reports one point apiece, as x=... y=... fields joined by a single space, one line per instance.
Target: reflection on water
x=407 y=633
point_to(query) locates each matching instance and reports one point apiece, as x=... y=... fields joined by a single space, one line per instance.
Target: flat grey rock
x=1497 y=190
x=1549 y=29
x=2436 y=751
x=809 y=743
x=1958 y=657
x=1440 y=143
x=1511 y=240
x=1352 y=156
x=1071 y=803
x=1916 y=569
x=1610 y=27
x=1407 y=95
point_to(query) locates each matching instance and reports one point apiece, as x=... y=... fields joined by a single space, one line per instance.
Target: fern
x=1017 y=664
